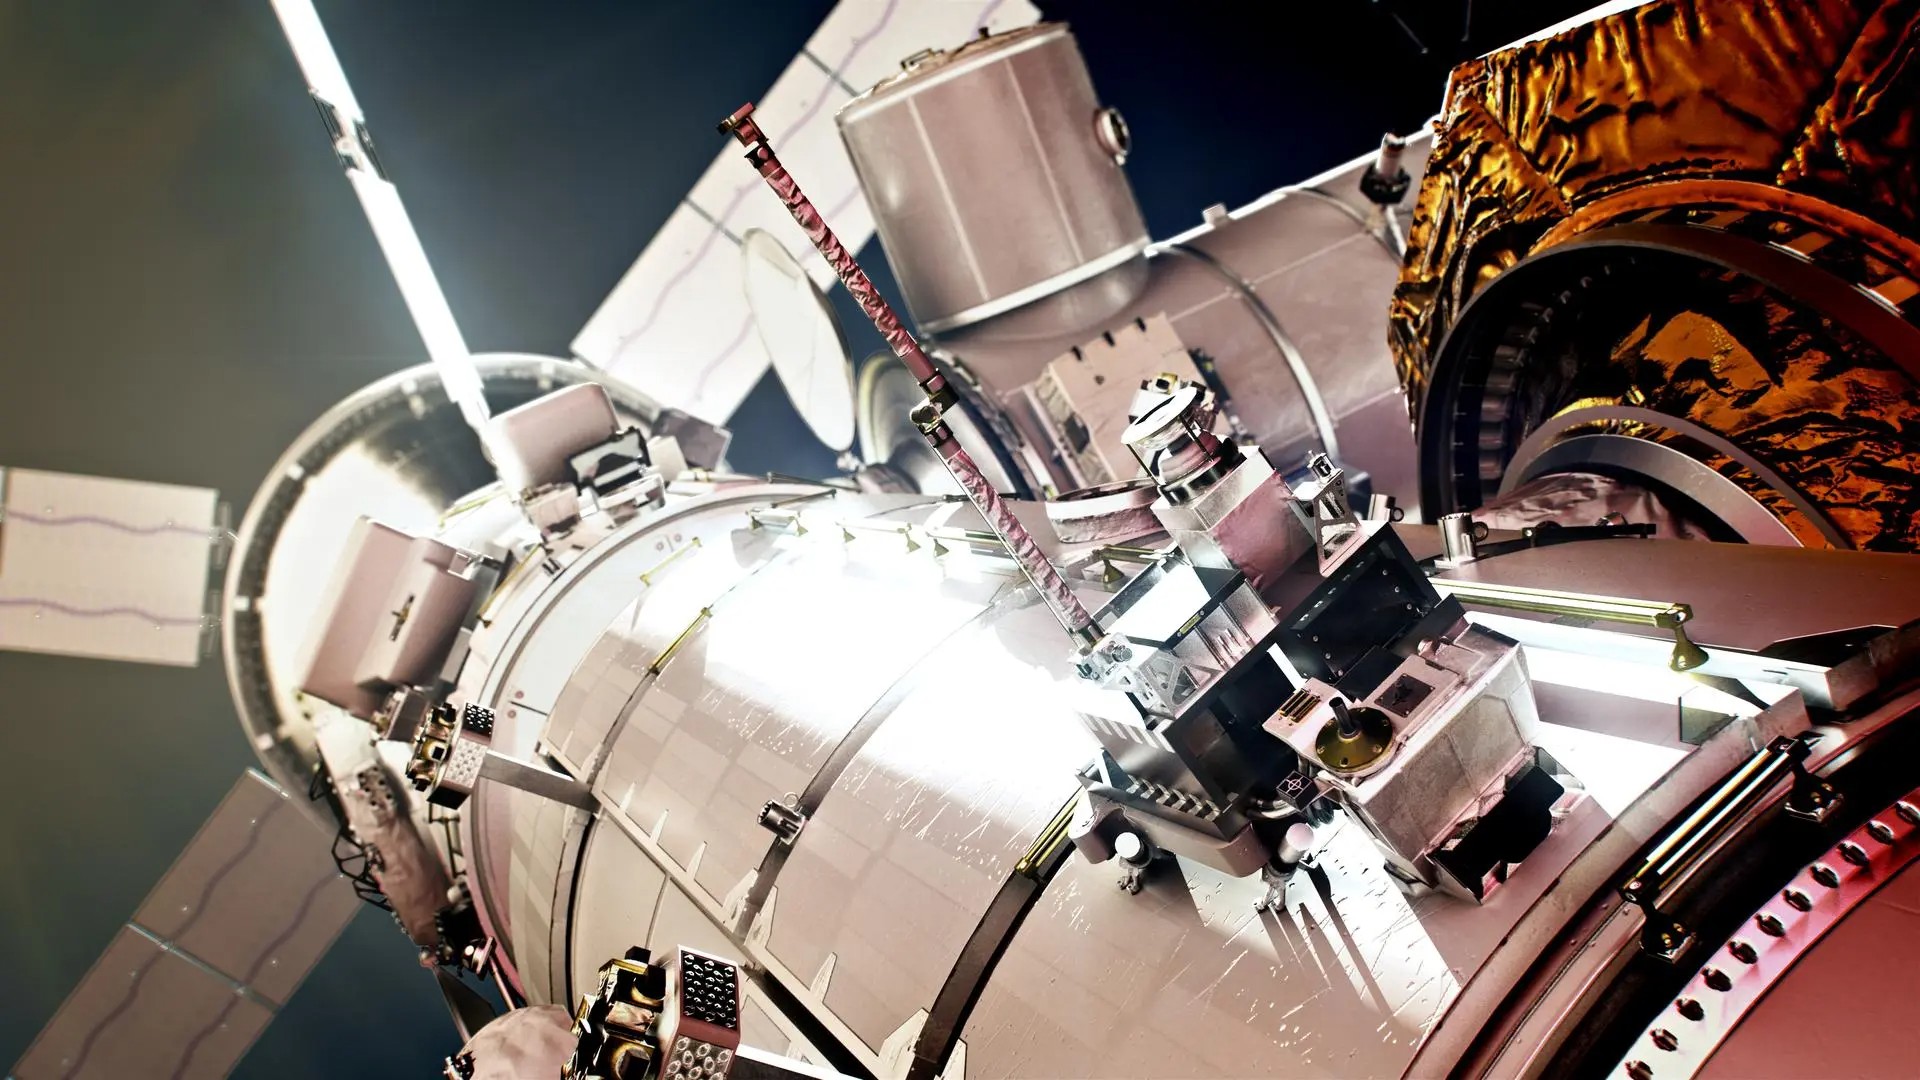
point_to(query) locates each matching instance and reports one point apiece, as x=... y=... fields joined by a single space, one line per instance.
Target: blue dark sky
x=186 y=282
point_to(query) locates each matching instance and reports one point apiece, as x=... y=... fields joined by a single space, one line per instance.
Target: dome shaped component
x=398 y=451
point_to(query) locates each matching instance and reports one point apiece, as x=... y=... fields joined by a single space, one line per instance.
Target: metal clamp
x=783 y=819
x=618 y=1024
x=1666 y=937
x=1321 y=505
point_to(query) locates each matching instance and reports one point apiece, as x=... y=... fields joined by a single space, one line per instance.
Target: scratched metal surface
x=596 y=643
x=514 y=868
x=1187 y=979
x=747 y=709
x=925 y=823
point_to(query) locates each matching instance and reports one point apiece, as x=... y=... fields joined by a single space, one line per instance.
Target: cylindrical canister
x=1024 y=165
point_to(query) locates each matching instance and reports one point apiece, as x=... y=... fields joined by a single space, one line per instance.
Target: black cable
x=350 y=857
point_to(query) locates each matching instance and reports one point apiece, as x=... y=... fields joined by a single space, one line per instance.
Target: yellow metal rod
x=1662 y=614
x=647 y=578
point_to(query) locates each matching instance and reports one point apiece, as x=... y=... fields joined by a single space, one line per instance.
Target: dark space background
x=186 y=281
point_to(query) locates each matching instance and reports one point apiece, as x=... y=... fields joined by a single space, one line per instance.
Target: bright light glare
x=398 y=241
x=1606 y=675
x=1614 y=770
x=315 y=53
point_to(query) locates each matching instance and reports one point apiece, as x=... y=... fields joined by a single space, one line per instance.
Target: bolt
x=1349 y=727
x=1665 y=1040
x=1690 y=1009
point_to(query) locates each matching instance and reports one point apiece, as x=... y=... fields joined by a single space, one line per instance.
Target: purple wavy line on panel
x=55 y=521
x=685 y=272
x=140 y=973
x=293 y=926
x=98 y=613
x=726 y=353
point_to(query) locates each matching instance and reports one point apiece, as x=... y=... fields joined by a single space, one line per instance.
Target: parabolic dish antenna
x=802 y=336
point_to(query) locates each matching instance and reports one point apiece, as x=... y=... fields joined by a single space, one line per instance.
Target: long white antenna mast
x=347 y=126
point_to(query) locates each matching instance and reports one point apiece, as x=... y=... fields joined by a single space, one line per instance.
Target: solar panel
x=91 y=566
x=216 y=949
x=677 y=322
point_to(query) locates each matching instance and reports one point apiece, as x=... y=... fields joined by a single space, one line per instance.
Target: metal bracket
x=1664 y=936
x=1321 y=505
x=783 y=819
x=1812 y=799
x=1659 y=614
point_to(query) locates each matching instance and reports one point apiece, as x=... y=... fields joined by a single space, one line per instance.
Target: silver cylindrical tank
x=1285 y=299
x=909 y=700
x=994 y=179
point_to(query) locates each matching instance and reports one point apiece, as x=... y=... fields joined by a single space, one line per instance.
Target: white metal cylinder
x=993 y=179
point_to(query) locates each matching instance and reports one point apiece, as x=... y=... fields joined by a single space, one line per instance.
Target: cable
x=350 y=857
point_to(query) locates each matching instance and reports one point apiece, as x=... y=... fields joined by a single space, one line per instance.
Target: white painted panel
x=109 y=568
x=719 y=732
x=677 y=322
x=892 y=873
x=618 y=894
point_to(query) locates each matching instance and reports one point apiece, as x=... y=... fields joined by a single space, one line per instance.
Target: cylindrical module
x=1032 y=200
x=1073 y=615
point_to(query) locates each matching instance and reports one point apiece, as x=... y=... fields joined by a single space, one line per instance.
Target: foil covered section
x=1819 y=406
x=1863 y=143
x=1585 y=499
x=1817 y=95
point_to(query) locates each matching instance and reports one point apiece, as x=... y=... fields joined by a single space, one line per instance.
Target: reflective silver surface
x=912 y=708
x=397 y=451
x=988 y=177
x=1285 y=296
